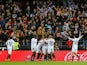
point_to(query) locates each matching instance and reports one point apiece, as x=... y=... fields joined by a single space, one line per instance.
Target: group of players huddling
x=42 y=49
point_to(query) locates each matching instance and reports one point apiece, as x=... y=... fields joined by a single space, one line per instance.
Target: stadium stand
x=22 y=18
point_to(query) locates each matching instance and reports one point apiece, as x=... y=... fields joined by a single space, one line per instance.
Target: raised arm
x=70 y=38
x=80 y=37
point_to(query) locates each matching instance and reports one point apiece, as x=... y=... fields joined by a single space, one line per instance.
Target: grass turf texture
x=43 y=63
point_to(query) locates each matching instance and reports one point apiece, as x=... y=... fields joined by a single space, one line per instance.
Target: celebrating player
x=9 y=44
x=44 y=50
x=38 y=54
x=33 y=47
x=51 y=42
x=75 y=46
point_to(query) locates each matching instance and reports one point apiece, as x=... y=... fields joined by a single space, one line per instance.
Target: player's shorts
x=33 y=49
x=50 y=49
x=74 y=49
x=9 y=50
x=44 y=49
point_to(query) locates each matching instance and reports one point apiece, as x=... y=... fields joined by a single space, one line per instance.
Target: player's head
x=75 y=36
x=45 y=36
x=16 y=39
x=50 y=36
x=35 y=36
x=10 y=37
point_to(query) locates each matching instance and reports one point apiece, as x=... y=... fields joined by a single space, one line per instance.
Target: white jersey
x=10 y=43
x=40 y=44
x=44 y=47
x=75 y=43
x=50 y=42
x=33 y=44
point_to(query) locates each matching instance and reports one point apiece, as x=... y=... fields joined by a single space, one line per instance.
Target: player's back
x=51 y=42
x=33 y=41
x=45 y=43
x=41 y=41
x=10 y=43
x=75 y=42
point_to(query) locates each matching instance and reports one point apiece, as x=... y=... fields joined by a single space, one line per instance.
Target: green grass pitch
x=43 y=63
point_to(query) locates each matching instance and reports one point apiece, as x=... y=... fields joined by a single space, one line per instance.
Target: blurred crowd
x=59 y=17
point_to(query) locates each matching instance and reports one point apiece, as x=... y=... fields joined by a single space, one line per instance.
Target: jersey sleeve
x=80 y=37
x=70 y=38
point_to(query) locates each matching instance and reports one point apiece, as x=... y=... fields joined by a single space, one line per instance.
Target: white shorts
x=44 y=49
x=9 y=50
x=50 y=49
x=74 y=49
x=33 y=49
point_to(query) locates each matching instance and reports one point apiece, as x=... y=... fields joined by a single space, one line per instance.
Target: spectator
x=85 y=38
x=57 y=17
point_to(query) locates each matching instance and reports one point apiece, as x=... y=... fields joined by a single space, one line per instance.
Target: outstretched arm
x=80 y=37
x=70 y=38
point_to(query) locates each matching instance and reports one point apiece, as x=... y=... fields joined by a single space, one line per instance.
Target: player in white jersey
x=50 y=41
x=9 y=44
x=44 y=50
x=39 y=45
x=33 y=47
x=75 y=46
